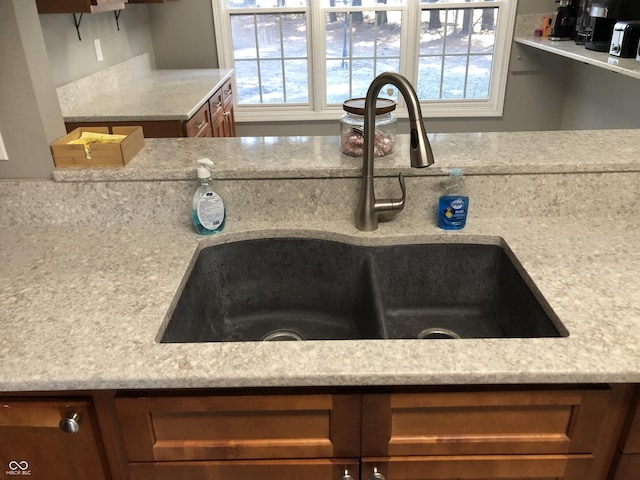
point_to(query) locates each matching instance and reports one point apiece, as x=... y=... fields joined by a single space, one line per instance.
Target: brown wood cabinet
x=405 y=434
x=79 y=6
x=215 y=118
x=627 y=463
x=222 y=116
x=240 y=436
x=420 y=433
x=492 y=434
x=51 y=438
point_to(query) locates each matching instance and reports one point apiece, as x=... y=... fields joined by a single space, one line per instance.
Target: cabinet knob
x=376 y=475
x=70 y=425
x=346 y=476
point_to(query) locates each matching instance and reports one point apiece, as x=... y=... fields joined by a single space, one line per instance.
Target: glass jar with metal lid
x=352 y=127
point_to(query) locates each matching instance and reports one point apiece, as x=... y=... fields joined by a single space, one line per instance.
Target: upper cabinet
x=78 y=6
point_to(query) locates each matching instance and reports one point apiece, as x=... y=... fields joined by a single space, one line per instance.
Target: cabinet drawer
x=323 y=469
x=33 y=444
x=503 y=467
x=239 y=427
x=199 y=125
x=491 y=422
x=227 y=94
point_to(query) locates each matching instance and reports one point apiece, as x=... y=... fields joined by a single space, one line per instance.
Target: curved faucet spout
x=420 y=152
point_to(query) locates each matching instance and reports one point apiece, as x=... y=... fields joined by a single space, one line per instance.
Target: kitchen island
x=89 y=275
x=93 y=273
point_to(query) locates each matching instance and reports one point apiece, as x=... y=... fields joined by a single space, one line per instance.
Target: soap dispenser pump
x=208 y=211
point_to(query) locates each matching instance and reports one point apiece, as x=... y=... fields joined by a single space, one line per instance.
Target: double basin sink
x=313 y=289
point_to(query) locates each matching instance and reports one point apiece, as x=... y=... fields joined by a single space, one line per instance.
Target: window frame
x=317 y=109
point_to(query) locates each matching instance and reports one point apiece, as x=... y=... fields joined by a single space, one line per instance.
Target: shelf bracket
x=116 y=14
x=76 y=22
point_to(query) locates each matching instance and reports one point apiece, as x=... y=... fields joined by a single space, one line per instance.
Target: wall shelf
x=568 y=49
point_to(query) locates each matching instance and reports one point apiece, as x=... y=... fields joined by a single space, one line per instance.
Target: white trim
x=316 y=31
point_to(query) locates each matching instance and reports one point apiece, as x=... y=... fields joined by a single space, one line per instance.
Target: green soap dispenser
x=208 y=211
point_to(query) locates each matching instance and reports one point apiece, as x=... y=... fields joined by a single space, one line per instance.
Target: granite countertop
x=88 y=276
x=155 y=95
x=82 y=308
x=318 y=157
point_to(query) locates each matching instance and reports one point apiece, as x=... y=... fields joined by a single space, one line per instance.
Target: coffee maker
x=563 y=26
x=603 y=15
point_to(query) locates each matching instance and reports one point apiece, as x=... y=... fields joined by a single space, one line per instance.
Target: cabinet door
x=483 y=422
x=489 y=467
x=192 y=427
x=199 y=125
x=322 y=469
x=217 y=114
x=33 y=445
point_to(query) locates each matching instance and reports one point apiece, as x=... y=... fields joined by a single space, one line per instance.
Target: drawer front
x=239 y=427
x=33 y=445
x=510 y=422
x=323 y=469
x=498 y=467
x=227 y=95
x=199 y=125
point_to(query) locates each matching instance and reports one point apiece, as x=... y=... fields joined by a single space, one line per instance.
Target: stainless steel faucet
x=420 y=150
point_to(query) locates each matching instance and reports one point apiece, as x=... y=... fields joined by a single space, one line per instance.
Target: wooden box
x=102 y=154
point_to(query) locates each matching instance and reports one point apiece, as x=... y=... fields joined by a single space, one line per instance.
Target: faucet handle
x=392 y=204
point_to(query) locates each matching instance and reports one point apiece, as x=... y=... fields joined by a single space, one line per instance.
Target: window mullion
x=317 y=62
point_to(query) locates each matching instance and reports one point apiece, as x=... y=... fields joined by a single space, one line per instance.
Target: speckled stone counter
x=500 y=153
x=132 y=91
x=87 y=276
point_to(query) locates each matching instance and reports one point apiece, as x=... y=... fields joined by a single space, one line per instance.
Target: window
x=300 y=59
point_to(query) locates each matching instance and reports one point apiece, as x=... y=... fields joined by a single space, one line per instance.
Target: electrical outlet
x=99 y=55
x=3 y=150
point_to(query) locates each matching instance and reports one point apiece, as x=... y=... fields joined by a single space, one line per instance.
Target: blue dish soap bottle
x=454 y=202
x=208 y=211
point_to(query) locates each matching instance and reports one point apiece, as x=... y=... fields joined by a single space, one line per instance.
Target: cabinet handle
x=70 y=425
x=346 y=476
x=376 y=475
x=227 y=93
x=201 y=125
x=227 y=114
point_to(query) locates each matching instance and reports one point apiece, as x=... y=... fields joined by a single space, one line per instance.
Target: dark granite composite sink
x=311 y=289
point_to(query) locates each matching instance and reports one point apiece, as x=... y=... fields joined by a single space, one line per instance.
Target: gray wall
x=71 y=58
x=183 y=34
x=30 y=116
x=597 y=98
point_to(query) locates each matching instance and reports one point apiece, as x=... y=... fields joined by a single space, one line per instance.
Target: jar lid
x=356 y=105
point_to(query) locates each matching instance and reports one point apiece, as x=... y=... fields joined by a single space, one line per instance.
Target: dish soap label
x=452 y=212
x=453 y=205
x=210 y=210
x=207 y=209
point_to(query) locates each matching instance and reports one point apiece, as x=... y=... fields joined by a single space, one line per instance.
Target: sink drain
x=435 y=333
x=282 y=336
